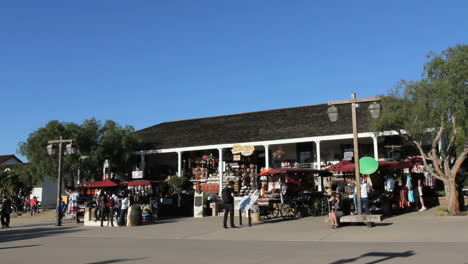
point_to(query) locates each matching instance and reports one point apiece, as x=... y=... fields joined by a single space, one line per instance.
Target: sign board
x=198 y=204
x=137 y=174
x=244 y=150
x=248 y=200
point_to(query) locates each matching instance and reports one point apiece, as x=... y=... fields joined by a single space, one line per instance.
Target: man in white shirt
x=364 y=198
x=124 y=209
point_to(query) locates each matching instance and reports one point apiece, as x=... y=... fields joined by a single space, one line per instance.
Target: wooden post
x=353 y=102
x=356 y=155
x=240 y=217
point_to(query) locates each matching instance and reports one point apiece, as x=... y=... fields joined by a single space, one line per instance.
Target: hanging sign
x=137 y=174
x=244 y=150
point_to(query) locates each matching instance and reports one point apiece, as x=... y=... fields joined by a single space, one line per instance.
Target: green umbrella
x=368 y=165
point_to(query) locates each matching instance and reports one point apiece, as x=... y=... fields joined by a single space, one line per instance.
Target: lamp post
x=374 y=110
x=51 y=151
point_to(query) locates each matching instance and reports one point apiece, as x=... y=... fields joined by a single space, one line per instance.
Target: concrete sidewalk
x=418 y=237
x=411 y=227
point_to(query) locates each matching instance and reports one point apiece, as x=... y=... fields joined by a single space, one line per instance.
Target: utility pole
x=353 y=101
x=51 y=151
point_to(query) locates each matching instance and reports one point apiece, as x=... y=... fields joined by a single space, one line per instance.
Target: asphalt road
x=414 y=238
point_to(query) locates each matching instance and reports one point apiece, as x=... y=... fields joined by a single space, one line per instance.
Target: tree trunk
x=453 y=205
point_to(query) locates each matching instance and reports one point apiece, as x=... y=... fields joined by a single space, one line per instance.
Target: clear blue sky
x=145 y=62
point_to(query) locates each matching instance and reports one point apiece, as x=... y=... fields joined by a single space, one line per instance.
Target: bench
x=368 y=219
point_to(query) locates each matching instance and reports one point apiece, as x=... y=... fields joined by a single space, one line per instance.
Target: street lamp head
x=374 y=110
x=333 y=113
x=70 y=149
x=50 y=150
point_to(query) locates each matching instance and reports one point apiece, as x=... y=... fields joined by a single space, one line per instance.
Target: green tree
x=95 y=142
x=12 y=182
x=433 y=110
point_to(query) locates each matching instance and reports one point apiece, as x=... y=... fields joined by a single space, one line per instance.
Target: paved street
x=412 y=238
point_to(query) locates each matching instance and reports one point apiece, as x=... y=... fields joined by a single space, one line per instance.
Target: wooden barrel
x=135 y=215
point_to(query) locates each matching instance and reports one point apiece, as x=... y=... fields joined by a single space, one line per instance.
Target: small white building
x=46 y=192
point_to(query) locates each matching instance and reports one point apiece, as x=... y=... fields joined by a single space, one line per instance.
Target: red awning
x=139 y=182
x=340 y=166
x=395 y=165
x=104 y=183
x=286 y=170
x=347 y=166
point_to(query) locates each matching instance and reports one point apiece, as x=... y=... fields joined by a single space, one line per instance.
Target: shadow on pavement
x=19 y=247
x=26 y=225
x=384 y=256
x=166 y=220
x=116 y=260
x=383 y=224
x=278 y=220
x=31 y=233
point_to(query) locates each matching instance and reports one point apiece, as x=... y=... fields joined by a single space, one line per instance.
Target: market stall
x=145 y=194
x=389 y=192
x=289 y=192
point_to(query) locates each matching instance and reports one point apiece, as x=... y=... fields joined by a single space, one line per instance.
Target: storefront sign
x=244 y=150
x=137 y=174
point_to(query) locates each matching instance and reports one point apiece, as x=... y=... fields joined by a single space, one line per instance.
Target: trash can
x=387 y=207
x=135 y=216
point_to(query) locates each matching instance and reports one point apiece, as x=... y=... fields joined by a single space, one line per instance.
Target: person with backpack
x=113 y=205
x=6 y=211
x=228 y=200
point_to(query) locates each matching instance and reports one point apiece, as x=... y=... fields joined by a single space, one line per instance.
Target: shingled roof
x=285 y=123
x=5 y=158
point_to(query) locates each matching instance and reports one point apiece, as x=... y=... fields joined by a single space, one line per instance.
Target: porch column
x=142 y=162
x=376 y=148
x=317 y=151
x=267 y=156
x=220 y=169
x=179 y=163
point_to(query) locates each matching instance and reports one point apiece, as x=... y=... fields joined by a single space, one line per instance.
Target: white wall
x=46 y=193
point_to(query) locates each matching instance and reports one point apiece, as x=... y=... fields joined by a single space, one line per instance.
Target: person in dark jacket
x=6 y=211
x=103 y=207
x=228 y=200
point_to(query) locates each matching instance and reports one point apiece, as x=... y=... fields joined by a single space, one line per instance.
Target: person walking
x=420 y=193
x=37 y=205
x=228 y=200
x=27 y=204
x=6 y=211
x=123 y=210
x=113 y=207
x=364 y=196
x=104 y=208
x=33 y=205
x=62 y=208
